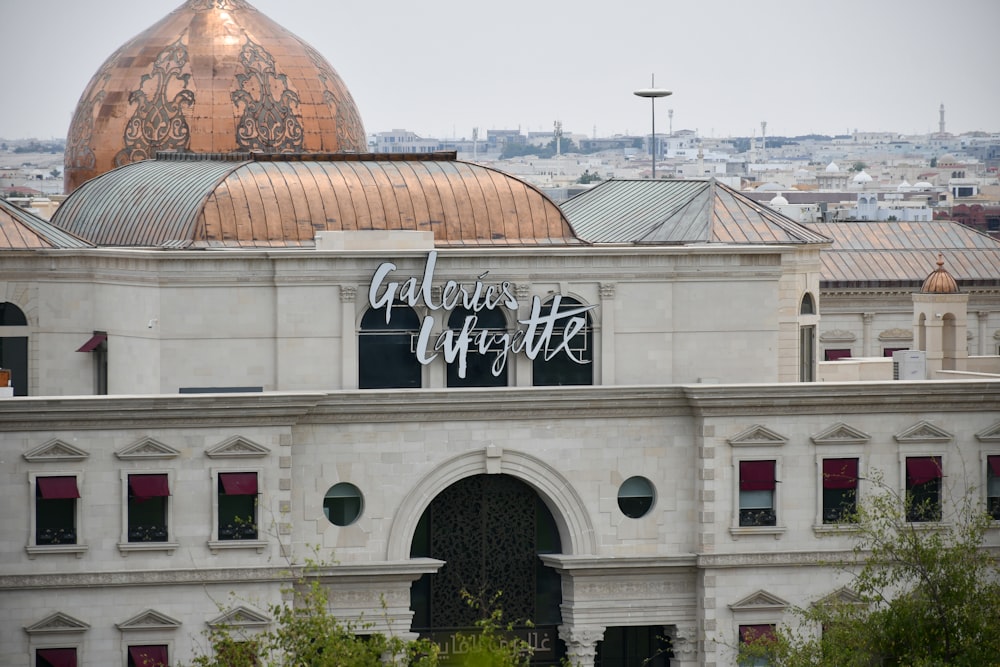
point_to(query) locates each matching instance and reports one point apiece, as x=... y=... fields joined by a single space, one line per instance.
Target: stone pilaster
x=348 y=338
x=866 y=337
x=606 y=330
x=684 y=640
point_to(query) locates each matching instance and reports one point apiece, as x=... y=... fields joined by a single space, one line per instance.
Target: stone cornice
x=409 y=570
x=616 y=565
x=277 y=409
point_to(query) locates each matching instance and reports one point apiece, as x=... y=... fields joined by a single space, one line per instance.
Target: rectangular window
x=55 y=657
x=887 y=351
x=993 y=486
x=923 y=488
x=237 y=505
x=753 y=633
x=835 y=354
x=757 y=482
x=147 y=508
x=154 y=655
x=840 y=490
x=55 y=510
x=807 y=354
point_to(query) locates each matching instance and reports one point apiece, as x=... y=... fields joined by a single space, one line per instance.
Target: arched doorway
x=489 y=530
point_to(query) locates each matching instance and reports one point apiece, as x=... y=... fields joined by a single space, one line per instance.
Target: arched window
x=386 y=358
x=560 y=369
x=478 y=367
x=14 y=349
x=808 y=305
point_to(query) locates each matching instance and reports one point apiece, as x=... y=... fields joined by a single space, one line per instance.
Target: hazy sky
x=442 y=67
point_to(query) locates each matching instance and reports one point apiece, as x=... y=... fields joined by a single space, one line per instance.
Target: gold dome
x=939 y=281
x=213 y=76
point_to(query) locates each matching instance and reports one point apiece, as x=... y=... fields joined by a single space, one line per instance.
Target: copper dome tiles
x=214 y=76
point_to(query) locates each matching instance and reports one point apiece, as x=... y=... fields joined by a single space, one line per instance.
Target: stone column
x=348 y=339
x=607 y=335
x=581 y=643
x=684 y=639
x=983 y=318
x=866 y=335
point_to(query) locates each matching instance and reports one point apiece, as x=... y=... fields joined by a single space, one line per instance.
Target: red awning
x=239 y=483
x=148 y=656
x=994 y=463
x=145 y=487
x=922 y=469
x=93 y=343
x=53 y=488
x=750 y=633
x=840 y=473
x=756 y=475
x=56 y=657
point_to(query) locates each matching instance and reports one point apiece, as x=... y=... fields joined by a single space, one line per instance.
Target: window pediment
x=841 y=596
x=989 y=434
x=242 y=617
x=837 y=335
x=757 y=435
x=149 y=620
x=896 y=334
x=147 y=448
x=56 y=450
x=841 y=434
x=57 y=623
x=760 y=601
x=921 y=433
x=237 y=447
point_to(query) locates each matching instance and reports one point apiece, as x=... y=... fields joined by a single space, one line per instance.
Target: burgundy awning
x=750 y=633
x=145 y=487
x=840 y=473
x=922 y=469
x=239 y=483
x=53 y=488
x=148 y=656
x=994 y=463
x=93 y=343
x=756 y=475
x=56 y=657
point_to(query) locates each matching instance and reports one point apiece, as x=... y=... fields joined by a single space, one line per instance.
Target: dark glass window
x=840 y=490
x=479 y=367
x=993 y=486
x=55 y=657
x=386 y=357
x=635 y=497
x=808 y=305
x=147 y=508
x=237 y=505
x=55 y=510
x=560 y=369
x=148 y=656
x=754 y=633
x=835 y=354
x=923 y=488
x=342 y=504
x=757 y=482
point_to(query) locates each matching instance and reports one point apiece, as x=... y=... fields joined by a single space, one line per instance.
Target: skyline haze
x=801 y=67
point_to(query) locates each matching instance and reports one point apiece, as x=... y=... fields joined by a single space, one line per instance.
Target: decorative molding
x=841 y=596
x=989 y=434
x=240 y=617
x=837 y=336
x=149 y=620
x=522 y=291
x=147 y=448
x=348 y=294
x=608 y=290
x=841 y=434
x=237 y=447
x=57 y=623
x=896 y=334
x=921 y=433
x=757 y=435
x=55 y=450
x=760 y=601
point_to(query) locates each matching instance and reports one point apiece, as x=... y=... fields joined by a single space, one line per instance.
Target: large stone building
x=427 y=377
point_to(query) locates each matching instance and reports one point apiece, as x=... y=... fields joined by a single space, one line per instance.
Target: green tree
x=858 y=166
x=588 y=177
x=927 y=594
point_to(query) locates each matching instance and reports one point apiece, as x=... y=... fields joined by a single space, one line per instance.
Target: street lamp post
x=652 y=93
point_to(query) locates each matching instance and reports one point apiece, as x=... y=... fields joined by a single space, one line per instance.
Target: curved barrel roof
x=257 y=200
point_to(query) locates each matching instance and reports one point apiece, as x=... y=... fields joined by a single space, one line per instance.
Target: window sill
x=126 y=547
x=216 y=545
x=835 y=528
x=928 y=525
x=47 y=549
x=742 y=531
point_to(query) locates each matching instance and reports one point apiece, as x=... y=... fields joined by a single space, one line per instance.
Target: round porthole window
x=342 y=504
x=635 y=497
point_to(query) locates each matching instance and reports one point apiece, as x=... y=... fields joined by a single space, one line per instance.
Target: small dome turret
x=939 y=281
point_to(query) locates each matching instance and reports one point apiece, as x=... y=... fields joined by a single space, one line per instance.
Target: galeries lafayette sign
x=547 y=334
